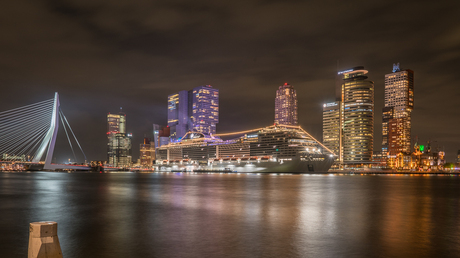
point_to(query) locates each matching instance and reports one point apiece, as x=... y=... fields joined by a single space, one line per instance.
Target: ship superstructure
x=276 y=148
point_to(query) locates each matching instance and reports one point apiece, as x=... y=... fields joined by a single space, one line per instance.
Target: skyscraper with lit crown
x=397 y=113
x=348 y=123
x=286 y=105
x=358 y=116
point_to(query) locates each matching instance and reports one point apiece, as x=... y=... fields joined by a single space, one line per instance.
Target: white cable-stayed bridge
x=28 y=136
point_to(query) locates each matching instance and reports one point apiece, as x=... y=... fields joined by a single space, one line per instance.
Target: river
x=233 y=215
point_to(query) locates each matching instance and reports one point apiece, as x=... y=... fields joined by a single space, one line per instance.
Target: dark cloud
x=103 y=55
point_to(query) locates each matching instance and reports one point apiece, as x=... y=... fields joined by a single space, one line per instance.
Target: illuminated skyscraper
x=205 y=109
x=286 y=105
x=358 y=116
x=193 y=110
x=332 y=126
x=147 y=153
x=118 y=142
x=399 y=103
x=116 y=123
x=178 y=114
x=348 y=124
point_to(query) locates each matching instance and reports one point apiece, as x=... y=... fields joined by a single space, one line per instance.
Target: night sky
x=103 y=55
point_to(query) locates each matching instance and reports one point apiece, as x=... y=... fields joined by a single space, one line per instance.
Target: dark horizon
x=102 y=56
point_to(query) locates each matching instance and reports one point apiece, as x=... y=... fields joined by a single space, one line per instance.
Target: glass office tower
x=358 y=116
x=332 y=131
x=193 y=110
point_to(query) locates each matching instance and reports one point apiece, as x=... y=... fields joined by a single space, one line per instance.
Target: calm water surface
x=174 y=215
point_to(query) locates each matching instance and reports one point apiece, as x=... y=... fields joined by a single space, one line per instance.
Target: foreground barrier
x=43 y=240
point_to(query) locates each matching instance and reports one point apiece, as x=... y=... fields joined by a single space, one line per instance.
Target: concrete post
x=43 y=240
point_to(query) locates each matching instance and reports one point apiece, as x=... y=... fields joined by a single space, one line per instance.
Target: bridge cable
x=74 y=135
x=70 y=143
x=22 y=129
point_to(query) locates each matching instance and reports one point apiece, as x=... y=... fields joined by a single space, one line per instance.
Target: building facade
x=119 y=154
x=205 y=109
x=193 y=110
x=423 y=158
x=118 y=142
x=358 y=116
x=348 y=123
x=116 y=123
x=332 y=131
x=178 y=114
x=147 y=153
x=161 y=135
x=286 y=105
x=399 y=98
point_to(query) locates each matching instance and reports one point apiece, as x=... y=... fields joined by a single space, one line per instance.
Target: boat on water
x=275 y=149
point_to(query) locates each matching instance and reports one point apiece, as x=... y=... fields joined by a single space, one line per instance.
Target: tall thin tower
x=286 y=105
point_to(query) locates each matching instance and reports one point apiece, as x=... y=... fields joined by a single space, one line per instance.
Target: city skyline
x=104 y=65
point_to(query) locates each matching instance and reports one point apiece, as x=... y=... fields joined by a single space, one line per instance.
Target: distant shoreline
x=347 y=172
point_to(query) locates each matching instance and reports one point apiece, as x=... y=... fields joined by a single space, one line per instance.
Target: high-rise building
x=147 y=153
x=178 y=113
x=118 y=142
x=399 y=103
x=193 y=110
x=358 y=116
x=205 y=109
x=348 y=123
x=156 y=135
x=116 y=123
x=387 y=115
x=332 y=135
x=161 y=135
x=286 y=105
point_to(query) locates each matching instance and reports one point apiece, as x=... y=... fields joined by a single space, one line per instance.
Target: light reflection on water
x=227 y=215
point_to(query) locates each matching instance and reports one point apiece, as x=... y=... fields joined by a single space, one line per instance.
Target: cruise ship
x=273 y=149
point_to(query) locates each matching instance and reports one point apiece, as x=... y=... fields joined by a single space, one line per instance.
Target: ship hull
x=294 y=166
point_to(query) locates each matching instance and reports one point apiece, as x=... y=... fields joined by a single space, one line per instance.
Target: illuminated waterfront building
x=332 y=135
x=120 y=150
x=147 y=153
x=193 y=110
x=178 y=114
x=348 y=124
x=399 y=103
x=358 y=116
x=387 y=115
x=118 y=142
x=161 y=135
x=422 y=159
x=286 y=105
x=205 y=109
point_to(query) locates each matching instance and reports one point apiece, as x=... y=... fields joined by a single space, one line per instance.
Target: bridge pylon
x=50 y=139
